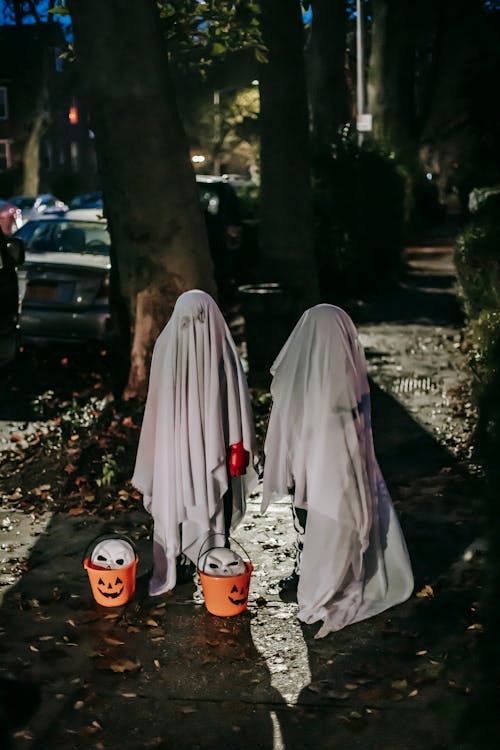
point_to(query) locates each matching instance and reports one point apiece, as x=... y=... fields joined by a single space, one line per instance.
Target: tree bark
x=286 y=207
x=31 y=149
x=391 y=84
x=160 y=248
x=327 y=71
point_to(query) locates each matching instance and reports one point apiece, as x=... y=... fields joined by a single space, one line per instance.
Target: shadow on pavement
x=164 y=673
x=157 y=672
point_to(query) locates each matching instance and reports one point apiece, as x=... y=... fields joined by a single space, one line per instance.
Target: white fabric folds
x=197 y=406
x=319 y=441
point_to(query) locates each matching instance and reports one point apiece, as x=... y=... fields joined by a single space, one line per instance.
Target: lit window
x=4 y=107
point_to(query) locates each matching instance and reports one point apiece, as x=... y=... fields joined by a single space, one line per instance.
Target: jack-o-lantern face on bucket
x=239 y=594
x=110 y=590
x=226 y=596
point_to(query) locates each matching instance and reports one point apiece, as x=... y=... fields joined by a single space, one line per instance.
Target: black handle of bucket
x=210 y=536
x=102 y=537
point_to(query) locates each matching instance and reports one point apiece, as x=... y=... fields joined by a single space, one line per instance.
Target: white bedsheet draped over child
x=197 y=406
x=354 y=563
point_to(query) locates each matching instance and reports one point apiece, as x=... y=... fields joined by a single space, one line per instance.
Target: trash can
x=268 y=313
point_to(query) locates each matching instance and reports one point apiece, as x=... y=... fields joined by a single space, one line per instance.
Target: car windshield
x=89 y=200
x=89 y=237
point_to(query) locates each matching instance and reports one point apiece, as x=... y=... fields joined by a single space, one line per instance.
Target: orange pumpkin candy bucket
x=225 y=595
x=111 y=568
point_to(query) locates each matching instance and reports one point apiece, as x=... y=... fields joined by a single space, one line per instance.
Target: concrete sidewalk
x=165 y=673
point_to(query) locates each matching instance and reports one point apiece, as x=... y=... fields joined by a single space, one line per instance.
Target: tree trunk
x=152 y=205
x=286 y=210
x=327 y=71
x=391 y=84
x=31 y=150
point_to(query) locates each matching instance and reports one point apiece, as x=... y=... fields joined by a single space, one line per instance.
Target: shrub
x=477 y=258
x=358 y=195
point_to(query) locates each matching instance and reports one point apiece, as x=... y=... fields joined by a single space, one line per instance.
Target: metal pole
x=217 y=132
x=360 y=65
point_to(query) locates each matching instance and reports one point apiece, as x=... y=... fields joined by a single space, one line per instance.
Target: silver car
x=64 y=282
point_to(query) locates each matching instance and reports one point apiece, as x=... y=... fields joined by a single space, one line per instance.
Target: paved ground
x=164 y=673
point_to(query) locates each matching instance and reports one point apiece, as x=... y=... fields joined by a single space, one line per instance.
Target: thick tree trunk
x=286 y=212
x=327 y=70
x=391 y=84
x=152 y=204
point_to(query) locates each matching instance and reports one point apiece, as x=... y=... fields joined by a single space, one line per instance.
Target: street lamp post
x=360 y=68
x=217 y=132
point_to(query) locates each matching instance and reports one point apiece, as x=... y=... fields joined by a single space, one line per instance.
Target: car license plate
x=39 y=292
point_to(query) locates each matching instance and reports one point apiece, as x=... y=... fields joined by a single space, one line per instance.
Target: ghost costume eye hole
x=185 y=321
x=201 y=316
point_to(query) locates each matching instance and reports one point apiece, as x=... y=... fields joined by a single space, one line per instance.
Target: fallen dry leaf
x=112 y=641
x=399 y=684
x=121 y=665
x=426 y=592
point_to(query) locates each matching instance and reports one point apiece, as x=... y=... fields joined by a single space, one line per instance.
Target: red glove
x=239 y=459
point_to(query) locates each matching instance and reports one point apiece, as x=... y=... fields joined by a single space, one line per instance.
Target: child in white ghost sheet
x=352 y=560
x=194 y=461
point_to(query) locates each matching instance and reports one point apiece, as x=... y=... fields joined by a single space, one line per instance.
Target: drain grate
x=415 y=385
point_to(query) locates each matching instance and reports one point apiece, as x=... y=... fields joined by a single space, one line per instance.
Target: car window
x=89 y=237
x=23 y=203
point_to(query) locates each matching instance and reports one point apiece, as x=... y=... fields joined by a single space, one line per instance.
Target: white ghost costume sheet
x=354 y=563
x=197 y=406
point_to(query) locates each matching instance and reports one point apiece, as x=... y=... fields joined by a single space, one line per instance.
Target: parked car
x=11 y=255
x=65 y=278
x=10 y=217
x=87 y=200
x=222 y=216
x=33 y=206
x=224 y=229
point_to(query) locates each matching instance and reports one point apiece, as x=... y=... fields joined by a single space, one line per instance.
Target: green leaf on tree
x=59 y=10
x=218 y=49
